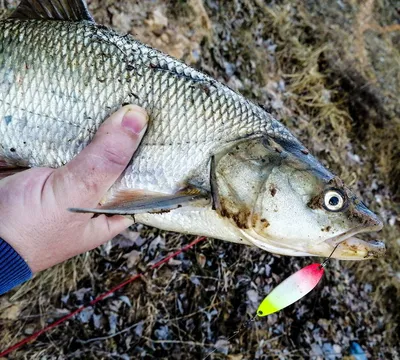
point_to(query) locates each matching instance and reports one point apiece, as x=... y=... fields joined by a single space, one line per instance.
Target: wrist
x=13 y=268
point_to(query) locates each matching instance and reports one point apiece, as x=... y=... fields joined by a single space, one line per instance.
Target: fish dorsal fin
x=63 y=10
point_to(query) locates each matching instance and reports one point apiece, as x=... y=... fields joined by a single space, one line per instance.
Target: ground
x=330 y=72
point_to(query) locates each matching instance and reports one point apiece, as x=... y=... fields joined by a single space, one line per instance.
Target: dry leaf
x=133 y=258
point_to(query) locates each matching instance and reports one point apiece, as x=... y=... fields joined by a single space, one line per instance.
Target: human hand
x=33 y=204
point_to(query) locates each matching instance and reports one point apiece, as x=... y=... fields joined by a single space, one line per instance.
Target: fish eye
x=334 y=200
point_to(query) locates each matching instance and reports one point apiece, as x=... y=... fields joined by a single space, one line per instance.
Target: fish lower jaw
x=354 y=248
x=351 y=248
x=264 y=244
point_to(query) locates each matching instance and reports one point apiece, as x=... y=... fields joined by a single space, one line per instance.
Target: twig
x=194 y=313
x=192 y=343
x=96 y=352
x=101 y=338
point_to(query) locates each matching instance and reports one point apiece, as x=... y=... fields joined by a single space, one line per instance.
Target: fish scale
x=91 y=66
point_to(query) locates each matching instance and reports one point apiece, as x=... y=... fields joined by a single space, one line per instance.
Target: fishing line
x=286 y=293
x=241 y=328
x=329 y=257
x=34 y=336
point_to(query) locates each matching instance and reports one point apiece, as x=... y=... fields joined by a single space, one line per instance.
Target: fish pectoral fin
x=63 y=10
x=130 y=202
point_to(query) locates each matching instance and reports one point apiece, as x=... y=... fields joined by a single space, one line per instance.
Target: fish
x=212 y=162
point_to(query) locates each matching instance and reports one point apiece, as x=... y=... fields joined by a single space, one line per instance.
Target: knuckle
x=114 y=156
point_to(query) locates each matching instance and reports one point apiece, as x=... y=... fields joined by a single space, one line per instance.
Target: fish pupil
x=334 y=200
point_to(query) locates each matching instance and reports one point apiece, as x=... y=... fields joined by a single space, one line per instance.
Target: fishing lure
x=293 y=288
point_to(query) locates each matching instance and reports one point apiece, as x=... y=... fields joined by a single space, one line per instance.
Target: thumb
x=84 y=180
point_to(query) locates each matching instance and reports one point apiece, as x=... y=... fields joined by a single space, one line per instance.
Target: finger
x=84 y=180
x=104 y=228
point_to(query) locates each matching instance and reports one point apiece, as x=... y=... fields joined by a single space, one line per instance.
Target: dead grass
x=318 y=69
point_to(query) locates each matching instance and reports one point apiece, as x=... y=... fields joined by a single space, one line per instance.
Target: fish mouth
x=341 y=247
x=348 y=247
x=354 y=248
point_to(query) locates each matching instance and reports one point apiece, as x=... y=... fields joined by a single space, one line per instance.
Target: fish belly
x=203 y=222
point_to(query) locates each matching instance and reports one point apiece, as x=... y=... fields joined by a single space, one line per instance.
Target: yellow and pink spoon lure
x=293 y=288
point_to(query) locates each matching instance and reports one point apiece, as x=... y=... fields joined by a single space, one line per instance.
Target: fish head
x=284 y=201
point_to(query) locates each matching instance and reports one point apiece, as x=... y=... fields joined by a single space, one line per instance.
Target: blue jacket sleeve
x=13 y=269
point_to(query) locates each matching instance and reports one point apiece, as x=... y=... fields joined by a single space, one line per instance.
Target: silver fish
x=212 y=162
